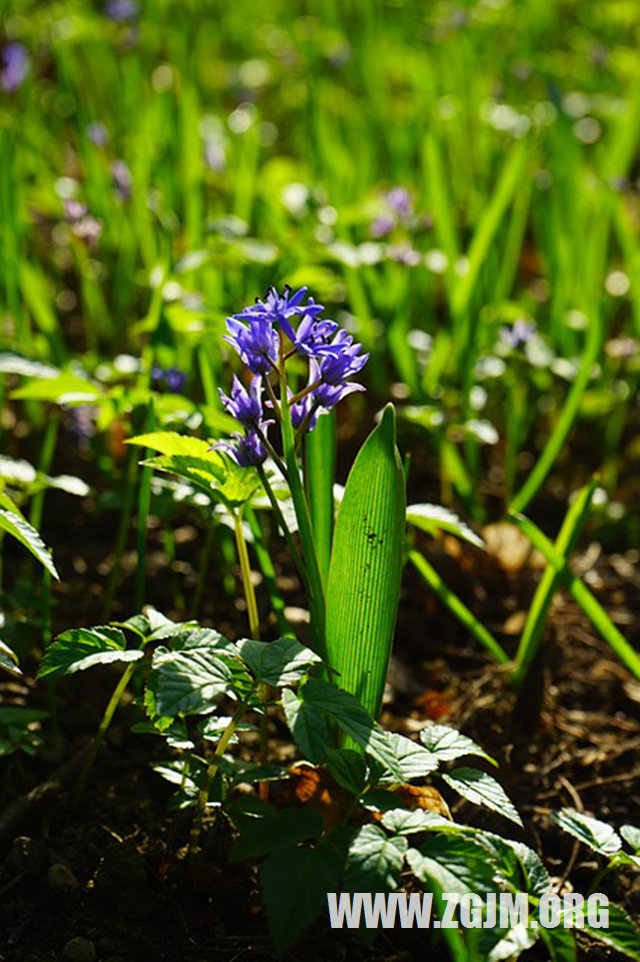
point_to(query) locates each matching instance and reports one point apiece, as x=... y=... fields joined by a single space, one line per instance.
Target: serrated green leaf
x=621 y=933
x=277 y=663
x=83 y=648
x=482 y=789
x=343 y=709
x=366 y=567
x=597 y=835
x=374 y=861
x=414 y=761
x=631 y=835
x=433 y=517
x=454 y=863
x=14 y=524
x=348 y=768
x=283 y=829
x=401 y=821
x=188 y=682
x=308 y=726
x=560 y=943
x=447 y=744
x=295 y=883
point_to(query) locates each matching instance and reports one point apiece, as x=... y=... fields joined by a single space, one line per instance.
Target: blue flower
x=15 y=67
x=245 y=406
x=313 y=336
x=279 y=308
x=247 y=451
x=256 y=344
x=335 y=370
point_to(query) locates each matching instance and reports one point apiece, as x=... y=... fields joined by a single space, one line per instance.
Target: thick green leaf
x=482 y=789
x=599 y=836
x=277 y=663
x=433 y=517
x=621 y=933
x=320 y=464
x=366 y=567
x=13 y=523
x=295 y=883
x=286 y=827
x=83 y=648
x=188 y=682
x=447 y=744
x=374 y=862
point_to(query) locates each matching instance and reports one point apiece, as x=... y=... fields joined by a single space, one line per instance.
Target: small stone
x=27 y=855
x=61 y=879
x=79 y=950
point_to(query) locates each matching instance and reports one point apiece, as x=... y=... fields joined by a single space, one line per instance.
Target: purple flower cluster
x=15 y=67
x=265 y=335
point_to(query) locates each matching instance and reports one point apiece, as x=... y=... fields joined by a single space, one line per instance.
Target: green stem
x=203 y=796
x=144 y=505
x=245 y=569
x=114 y=701
x=295 y=554
x=316 y=589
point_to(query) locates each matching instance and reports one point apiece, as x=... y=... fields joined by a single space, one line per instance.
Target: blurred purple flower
x=121 y=176
x=382 y=225
x=172 y=380
x=399 y=200
x=98 y=134
x=519 y=334
x=15 y=67
x=121 y=10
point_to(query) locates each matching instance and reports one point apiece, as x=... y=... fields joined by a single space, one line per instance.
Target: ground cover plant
x=334 y=594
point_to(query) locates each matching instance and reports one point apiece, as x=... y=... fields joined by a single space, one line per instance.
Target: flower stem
x=245 y=569
x=295 y=554
x=316 y=589
x=203 y=796
x=92 y=753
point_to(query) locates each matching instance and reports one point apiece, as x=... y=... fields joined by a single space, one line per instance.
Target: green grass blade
x=320 y=469
x=366 y=567
x=572 y=525
x=488 y=225
x=580 y=593
x=563 y=424
x=458 y=608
